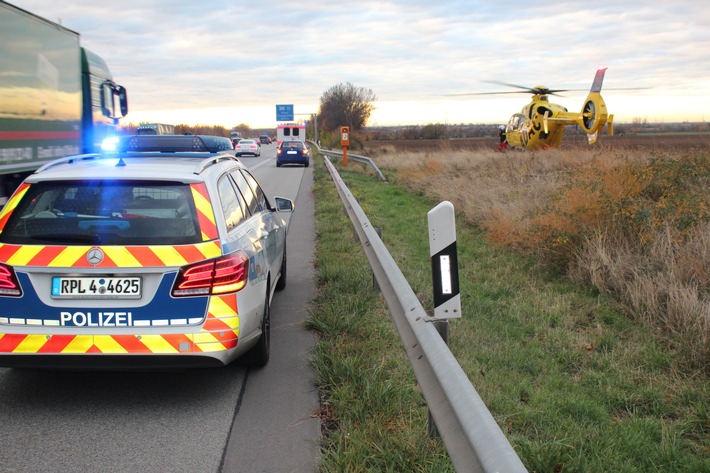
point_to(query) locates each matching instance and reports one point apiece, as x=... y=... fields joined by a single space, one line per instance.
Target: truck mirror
x=123 y=100
x=113 y=99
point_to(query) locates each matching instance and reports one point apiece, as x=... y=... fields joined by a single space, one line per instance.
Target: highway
x=217 y=420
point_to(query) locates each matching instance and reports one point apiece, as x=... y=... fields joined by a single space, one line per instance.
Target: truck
x=56 y=97
x=293 y=131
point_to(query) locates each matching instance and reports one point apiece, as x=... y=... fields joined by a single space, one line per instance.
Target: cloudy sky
x=228 y=62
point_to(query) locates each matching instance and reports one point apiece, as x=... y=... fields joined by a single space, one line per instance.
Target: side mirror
x=283 y=204
x=114 y=100
x=123 y=100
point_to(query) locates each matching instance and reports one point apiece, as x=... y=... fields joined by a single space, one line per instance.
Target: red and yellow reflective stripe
x=11 y=204
x=114 y=256
x=220 y=332
x=221 y=329
x=205 y=215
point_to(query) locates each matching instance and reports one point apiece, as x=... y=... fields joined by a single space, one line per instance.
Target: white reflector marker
x=445 y=268
x=444 y=261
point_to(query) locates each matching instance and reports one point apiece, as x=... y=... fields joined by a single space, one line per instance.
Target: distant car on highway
x=163 y=253
x=265 y=140
x=292 y=152
x=250 y=147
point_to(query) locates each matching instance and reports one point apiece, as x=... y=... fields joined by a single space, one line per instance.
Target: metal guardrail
x=472 y=437
x=354 y=157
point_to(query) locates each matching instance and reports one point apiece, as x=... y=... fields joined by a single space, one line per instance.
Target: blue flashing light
x=110 y=144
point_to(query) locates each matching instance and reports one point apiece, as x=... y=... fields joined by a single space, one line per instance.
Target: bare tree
x=346 y=104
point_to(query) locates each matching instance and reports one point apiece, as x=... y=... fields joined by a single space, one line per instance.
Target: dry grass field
x=629 y=215
x=651 y=142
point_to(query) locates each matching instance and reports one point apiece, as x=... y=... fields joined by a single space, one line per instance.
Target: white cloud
x=227 y=55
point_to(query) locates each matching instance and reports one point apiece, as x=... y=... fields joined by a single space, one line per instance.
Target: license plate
x=96 y=288
x=291 y=152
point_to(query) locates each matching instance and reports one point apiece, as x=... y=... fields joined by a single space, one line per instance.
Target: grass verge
x=574 y=384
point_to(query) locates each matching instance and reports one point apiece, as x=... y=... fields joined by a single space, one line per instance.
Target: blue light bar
x=176 y=144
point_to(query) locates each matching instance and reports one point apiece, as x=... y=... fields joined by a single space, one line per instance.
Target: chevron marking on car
x=219 y=333
x=204 y=212
x=116 y=256
x=11 y=204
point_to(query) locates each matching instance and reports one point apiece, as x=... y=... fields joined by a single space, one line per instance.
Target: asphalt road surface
x=212 y=420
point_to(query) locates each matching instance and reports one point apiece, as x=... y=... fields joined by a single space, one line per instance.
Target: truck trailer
x=56 y=97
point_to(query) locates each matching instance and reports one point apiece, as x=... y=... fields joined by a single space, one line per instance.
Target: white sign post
x=444 y=261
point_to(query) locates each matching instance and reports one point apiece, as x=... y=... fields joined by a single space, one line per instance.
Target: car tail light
x=9 y=285
x=217 y=276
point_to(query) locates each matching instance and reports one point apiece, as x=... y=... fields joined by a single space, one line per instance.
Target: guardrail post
x=442 y=327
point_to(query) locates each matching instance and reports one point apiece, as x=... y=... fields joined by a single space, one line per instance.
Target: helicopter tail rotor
x=594 y=114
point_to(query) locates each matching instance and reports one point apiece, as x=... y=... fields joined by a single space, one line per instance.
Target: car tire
x=278 y=164
x=284 y=266
x=308 y=163
x=258 y=355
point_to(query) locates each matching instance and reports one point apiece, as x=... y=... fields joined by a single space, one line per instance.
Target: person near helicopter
x=503 y=144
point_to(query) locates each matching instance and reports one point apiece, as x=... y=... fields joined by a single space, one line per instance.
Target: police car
x=163 y=253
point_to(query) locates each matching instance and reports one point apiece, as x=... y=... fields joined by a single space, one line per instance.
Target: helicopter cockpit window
x=516 y=121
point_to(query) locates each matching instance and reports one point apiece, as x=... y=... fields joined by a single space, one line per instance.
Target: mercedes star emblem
x=95 y=256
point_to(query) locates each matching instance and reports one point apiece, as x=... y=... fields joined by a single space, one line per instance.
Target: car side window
x=251 y=199
x=232 y=207
x=256 y=188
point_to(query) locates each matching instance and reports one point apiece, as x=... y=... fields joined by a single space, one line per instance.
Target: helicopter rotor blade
x=508 y=84
x=538 y=90
x=484 y=93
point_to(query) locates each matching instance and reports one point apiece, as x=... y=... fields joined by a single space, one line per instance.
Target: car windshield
x=100 y=212
x=247 y=142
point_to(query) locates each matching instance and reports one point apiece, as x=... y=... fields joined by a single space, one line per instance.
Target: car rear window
x=292 y=144
x=100 y=212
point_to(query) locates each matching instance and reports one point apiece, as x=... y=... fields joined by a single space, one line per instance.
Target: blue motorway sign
x=284 y=113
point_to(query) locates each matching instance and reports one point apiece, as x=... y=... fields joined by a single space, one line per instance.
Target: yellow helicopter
x=541 y=123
